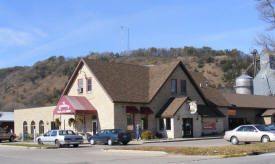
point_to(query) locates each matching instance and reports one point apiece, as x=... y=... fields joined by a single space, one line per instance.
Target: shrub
x=146 y=135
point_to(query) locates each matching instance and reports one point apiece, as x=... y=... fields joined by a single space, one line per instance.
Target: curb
x=135 y=151
x=179 y=140
x=25 y=147
x=232 y=155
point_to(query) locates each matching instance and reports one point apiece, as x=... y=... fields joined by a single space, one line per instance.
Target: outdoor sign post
x=34 y=135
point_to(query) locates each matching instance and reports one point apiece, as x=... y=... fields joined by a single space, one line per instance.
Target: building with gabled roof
x=108 y=95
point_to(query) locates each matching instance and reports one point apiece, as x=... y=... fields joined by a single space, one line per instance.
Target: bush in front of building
x=159 y=135
x=147 y=135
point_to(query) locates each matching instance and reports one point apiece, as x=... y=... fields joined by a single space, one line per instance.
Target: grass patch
x=30 y=145
x=214 y=150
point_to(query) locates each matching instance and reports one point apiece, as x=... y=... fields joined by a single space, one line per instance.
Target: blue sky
x=32 y=30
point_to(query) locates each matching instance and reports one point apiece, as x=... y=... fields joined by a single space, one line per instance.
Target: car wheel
x=92 y=142
x=57 y=144
x=76 y=145
x=234 y=140
x=39 y=142
x=110 y=142
x=11 y=139
x=124 y=142
x=265 y=139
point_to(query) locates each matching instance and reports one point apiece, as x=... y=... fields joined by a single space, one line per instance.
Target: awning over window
x=74 y=105
x=131 y=109
x=145 y=110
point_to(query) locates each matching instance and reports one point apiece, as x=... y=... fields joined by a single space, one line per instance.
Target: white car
x=250 y=133
x=60 y=138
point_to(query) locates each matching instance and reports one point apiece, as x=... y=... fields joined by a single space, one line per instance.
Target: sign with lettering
x=64 y=107
x=231 y=112
x=210 y=126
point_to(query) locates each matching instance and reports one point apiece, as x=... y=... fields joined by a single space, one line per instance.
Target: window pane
x=161 y=124
x=173 y=86
x=80 y=83
x=168 y=124
x=144 y=122
x=183 y=87
x=89 y=85
x=130 y=121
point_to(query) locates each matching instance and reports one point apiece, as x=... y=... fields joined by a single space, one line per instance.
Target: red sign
x=231 y=112
x=64 y=107
x=207 y=125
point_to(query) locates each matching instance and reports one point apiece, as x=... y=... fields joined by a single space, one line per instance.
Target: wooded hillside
x=43 y=83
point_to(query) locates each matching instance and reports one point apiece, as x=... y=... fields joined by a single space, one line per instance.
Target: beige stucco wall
x=33 y=114
x=268 y=120
x=98 y=98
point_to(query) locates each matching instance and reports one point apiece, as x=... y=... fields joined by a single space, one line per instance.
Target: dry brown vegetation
x=215 y=150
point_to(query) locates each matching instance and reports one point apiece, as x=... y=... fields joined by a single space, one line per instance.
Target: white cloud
x=10 y=37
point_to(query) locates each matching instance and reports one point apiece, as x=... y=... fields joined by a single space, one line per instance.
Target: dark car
x=5 y=135
x=110 y=136
x=271 y=126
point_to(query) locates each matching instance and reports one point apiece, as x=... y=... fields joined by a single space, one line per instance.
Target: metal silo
x=244 y=84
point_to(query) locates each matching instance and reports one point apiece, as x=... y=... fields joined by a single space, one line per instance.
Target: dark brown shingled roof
x=130 y=83
x=212 y=95
x=269 y=112
x=174 y=103
x=174 y=106
x=123 y=82
x=251 y=101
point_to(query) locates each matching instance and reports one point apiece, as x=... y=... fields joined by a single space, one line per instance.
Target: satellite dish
x=193 y=107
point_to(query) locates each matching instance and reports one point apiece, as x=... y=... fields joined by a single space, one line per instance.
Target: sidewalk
x=174 y=140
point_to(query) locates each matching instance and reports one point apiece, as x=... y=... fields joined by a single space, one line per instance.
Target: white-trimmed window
x=89 y=84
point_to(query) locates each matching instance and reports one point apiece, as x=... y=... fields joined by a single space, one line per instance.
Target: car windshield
x=272 y=126
x=262 y=128
x=66 y=132
x=117 y=131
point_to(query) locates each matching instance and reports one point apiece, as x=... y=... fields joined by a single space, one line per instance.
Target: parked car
x=110 y=136
x=5 y=135
x=250 y=133
x=60 y=138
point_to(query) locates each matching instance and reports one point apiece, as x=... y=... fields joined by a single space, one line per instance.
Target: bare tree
x=267 y=14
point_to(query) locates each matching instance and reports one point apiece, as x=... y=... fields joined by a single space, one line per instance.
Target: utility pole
x=254 y=53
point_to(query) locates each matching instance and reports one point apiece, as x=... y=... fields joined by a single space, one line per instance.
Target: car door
x=46 y=137
x=98 y=136
x=2 y=133
x=252 y=134
x=241 y=133
x=53 y=137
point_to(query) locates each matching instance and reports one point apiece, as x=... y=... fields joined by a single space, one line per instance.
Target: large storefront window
x=144 y=122
x=130 y=121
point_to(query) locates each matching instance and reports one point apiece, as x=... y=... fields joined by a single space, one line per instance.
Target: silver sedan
x=60 y=138
x=250 y=133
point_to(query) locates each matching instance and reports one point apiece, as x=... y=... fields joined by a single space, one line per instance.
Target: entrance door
x=94 y=126
x=187 y=127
